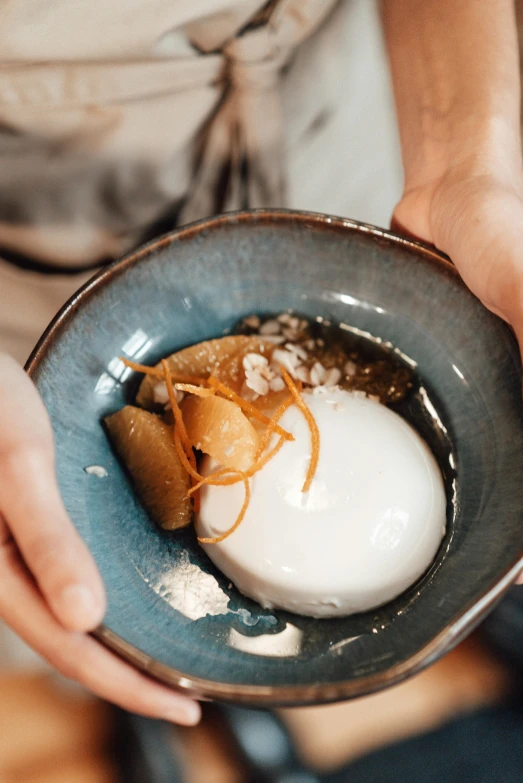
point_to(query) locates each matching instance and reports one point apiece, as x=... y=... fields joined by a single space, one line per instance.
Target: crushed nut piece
x=287 y=359
x=277 y=339
x=160 y=394
x=179 y=399
x=318 y=374
x=277 y=384
x=253 y=321
x=350 y=369
x=254 y=361
x=332 y=377
x=303 y=374
x=266 y=372
x=96 y=470
x=247 y=393
x=255 y=382
x=270 y=327
x=300 y=352
x=290 y=334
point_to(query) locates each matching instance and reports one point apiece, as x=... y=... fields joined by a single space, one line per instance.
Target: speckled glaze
x=170 y=611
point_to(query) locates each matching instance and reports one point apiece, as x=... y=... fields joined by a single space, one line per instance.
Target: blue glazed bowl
x=170 y=611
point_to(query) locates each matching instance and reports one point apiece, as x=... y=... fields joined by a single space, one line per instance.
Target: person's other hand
x=50 y=591
x=474 y=214
x=477 y=220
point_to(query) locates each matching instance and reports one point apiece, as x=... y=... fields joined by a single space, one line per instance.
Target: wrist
x=453 y=163
x=455 y=73
x=461 y=143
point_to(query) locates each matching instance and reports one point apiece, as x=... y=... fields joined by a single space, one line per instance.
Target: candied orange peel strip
x=186 y=461
x=195 y=476
x=221 y=478
x=247 y=407
x=177 y=413
x=313 y=427
x=182 y=443
x=160 y=374
x=214 y=478
x=239 y=518
x=272 y=426
x=262 y=461
x=198 y=391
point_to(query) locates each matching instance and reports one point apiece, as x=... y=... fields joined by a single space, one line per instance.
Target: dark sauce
x=365 y=366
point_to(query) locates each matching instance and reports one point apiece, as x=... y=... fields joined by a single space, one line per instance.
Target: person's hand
x=50 y=591
x=474 y=214
x=476 y=218
x=455 y=70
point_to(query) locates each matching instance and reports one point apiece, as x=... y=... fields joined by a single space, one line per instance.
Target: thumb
x=32 y=509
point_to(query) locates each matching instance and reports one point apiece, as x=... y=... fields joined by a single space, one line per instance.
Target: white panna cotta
x=368 y=528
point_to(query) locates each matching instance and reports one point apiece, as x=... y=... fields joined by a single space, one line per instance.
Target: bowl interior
x=175 y=613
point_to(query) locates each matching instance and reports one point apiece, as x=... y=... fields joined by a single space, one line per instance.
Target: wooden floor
x=50 y=733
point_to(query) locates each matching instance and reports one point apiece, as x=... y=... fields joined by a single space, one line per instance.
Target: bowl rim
x=275 y=695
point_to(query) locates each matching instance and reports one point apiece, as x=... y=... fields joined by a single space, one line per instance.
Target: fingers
x=48 y=542
x=5 y=535
x=478 y=222
x=480 y=226
x=33 y=511
x=79 y=656
x=33 y=520
x=411 y=217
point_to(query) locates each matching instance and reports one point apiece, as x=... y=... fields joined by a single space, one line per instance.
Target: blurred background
x=53 y=732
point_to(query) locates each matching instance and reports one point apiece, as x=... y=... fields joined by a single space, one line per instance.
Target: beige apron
x=107 y=138
x=115 y=113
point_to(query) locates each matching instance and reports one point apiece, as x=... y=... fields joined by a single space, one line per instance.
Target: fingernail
x=78 y=608
x=188 y=713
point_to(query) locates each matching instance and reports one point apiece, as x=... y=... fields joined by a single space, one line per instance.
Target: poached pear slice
x=145 y=445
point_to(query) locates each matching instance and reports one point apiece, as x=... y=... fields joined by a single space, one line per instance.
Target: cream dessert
x=307 y=491
x=368 y=528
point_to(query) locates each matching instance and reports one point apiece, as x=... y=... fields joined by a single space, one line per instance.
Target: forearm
x=455 y=73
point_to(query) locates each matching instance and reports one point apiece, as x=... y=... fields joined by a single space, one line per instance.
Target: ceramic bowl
x=170 y=612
